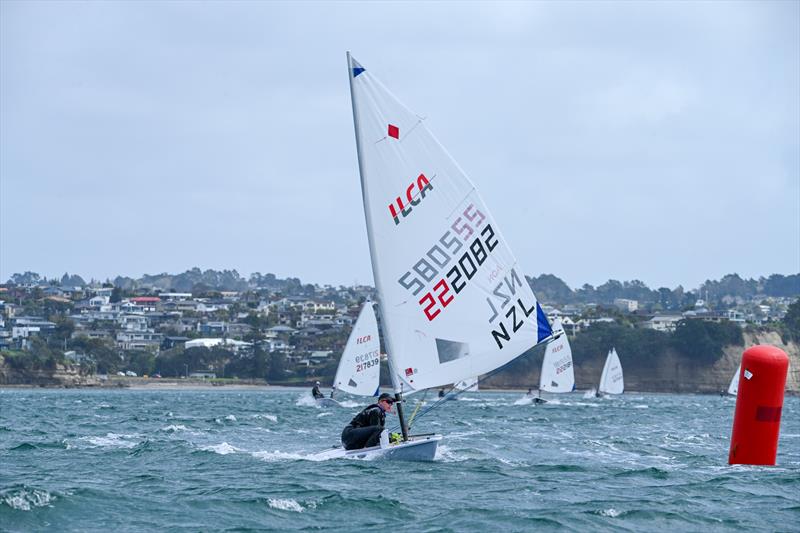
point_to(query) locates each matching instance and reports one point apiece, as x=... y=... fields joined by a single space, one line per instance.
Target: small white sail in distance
x=360 y=366
x=611 y=381
x=733 y=388
x=558 y=374
x=454 y=300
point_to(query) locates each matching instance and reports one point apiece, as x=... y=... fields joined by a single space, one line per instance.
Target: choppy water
x=207 y=460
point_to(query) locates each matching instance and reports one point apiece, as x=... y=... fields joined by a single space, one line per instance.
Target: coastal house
x=666 y=323
x=239 y=329
x=171 y=341
x=175 y=296
x=626 y=305
x=139 y=340
x=212 y=328
x=132 y=322
x=229 y=344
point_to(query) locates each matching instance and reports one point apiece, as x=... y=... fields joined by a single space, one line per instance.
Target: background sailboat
x=611 y=380
x=359 y=368
x=453 y=299
x=733 y=388
x=558 y=374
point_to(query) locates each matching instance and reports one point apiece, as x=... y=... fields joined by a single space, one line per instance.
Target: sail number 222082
x=444 y=254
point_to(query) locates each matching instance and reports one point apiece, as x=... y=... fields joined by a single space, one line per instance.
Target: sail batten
x=454 y=301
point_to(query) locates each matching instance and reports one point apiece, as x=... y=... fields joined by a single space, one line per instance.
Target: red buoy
x=757 y=420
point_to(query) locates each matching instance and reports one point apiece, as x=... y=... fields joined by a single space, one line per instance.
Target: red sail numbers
x=415 y=193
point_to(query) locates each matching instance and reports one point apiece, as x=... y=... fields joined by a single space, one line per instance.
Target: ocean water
x=222 y=459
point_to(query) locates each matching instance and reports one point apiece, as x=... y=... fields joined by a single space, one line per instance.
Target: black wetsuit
x=364 y=430
x=316 y=392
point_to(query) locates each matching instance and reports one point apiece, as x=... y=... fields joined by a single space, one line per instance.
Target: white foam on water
x=613 y=513
x=591 y=393
x=525 y=400
x=446 y=455
x=641 y=407
x=230 y=418
x=25 y=500
x=111 y=440
x=461 y=435
x=174 y=427
x=278 y=455
x=349 y=403
x=222 y=449
x=306 y=401
x=285 y=504
x=325 y=413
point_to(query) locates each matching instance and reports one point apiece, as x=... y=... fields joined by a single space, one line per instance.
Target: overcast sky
x=632 y=140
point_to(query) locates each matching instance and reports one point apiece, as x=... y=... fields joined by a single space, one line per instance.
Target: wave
x=306 y=401
x=25 y=499
x=24 y=447
x=221 y=449
x=111 y=440
x=172 y=428
x=285 y=504
x=271 y=418
x=278 y=455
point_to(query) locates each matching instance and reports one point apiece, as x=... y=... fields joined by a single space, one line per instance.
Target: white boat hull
x=327 y=402
x=415 y=449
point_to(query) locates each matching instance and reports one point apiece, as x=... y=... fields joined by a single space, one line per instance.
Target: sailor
x=441 y=393
x=366 y=427
x=530 y=392
x=316 y=392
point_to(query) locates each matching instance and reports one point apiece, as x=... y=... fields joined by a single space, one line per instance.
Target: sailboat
x=558 y=374
x=465 y=385
x=453 y=299
x=611 y=381
x=359 y=368
x=733 y=388
x=469 y=384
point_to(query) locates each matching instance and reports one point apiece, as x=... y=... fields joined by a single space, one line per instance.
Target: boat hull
x=415 y=449
x=327 y=402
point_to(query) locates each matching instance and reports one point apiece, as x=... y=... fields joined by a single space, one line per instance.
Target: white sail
x=558 y=374
x=454 y=301
x=733 y=388
x=470 y=384
x=611 y=381
x=360 y=366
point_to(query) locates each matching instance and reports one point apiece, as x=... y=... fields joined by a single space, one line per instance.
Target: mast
x=398 y=391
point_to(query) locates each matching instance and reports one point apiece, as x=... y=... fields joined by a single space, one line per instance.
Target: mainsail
x=360 y=366
x=454 y=300
x=733 y=388
x=611 y=381
x=557 y=375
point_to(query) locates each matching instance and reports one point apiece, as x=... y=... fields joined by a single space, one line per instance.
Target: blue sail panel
x=543 y=325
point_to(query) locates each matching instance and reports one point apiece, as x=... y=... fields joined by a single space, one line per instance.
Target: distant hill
x=549 y=288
